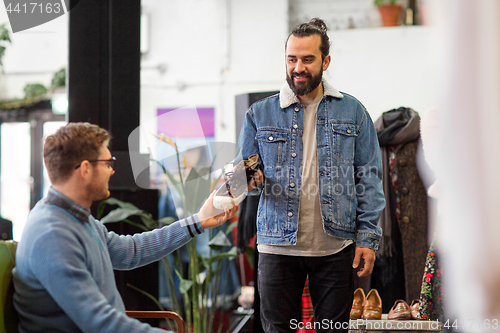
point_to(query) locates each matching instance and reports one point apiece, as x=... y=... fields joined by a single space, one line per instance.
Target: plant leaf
x=184 y=285
x=170 y=176
x=250 y=252
x=213 y=274
x=175 y=183
x=205 y=261
x=196 y=189
x=201 y=277
x=154 y=299
x=34 y=90
x=120 y=214
x=135 y=224
x=100 y=209
x=4 y=33
x=167 y=220
x=231 y=254
x=119 y=203
x=219 y=241
x=201 y=265
x=230 y=227
x=148 y=221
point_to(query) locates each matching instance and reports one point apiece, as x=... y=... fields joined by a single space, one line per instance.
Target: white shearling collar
x=287 y=97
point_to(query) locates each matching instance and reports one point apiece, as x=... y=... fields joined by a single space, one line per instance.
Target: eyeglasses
x=111 y=162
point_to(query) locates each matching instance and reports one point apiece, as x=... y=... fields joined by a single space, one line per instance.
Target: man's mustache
x=294 y=74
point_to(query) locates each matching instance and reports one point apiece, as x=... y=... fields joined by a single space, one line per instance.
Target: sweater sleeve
x=132 y=251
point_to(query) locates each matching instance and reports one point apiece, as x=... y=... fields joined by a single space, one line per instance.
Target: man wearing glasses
x=64 y=280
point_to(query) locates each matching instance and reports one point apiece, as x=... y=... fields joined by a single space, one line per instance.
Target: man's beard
x=307 y=87
x=98 y=190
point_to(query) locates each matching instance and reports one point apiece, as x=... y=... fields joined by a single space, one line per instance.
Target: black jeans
x=281 y=282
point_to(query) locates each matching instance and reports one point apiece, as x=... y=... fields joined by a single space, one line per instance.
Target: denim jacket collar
x=287 y=97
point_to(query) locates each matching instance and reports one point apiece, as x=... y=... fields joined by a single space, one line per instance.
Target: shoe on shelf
x=400 y=311
x=234 y=190
x=357 y=304
x=372 y=307
x=414 y=309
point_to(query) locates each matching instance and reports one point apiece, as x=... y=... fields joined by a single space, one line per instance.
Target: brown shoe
x=357 y=304
x=372 y=307
x=400 y=311
x=414 y=309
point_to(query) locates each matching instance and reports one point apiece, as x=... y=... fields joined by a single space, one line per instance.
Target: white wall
x=386 y=68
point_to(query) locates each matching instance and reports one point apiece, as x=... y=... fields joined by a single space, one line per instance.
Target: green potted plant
x=390 y=11
x=200 y=287
x=4 y=39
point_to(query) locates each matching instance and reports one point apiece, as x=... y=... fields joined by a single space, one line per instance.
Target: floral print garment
x=431 y=296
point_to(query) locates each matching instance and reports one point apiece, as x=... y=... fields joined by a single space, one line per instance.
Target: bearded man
x=322 y=195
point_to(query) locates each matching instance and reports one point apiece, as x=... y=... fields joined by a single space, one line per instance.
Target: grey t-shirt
x=311 y=239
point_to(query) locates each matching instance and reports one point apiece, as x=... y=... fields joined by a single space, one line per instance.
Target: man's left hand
x=369 y=256
x=257 y=179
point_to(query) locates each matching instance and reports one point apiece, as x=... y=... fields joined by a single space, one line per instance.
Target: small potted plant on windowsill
x=390 y=11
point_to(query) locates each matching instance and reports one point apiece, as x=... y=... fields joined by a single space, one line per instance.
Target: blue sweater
x=64 y=279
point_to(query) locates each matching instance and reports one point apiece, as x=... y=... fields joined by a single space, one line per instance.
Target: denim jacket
x=350 y=168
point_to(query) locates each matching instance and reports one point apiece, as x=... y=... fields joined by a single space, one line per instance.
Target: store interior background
x=204 y=53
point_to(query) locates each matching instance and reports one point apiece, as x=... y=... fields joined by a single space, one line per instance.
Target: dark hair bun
x=320 y=24
x=315 y=26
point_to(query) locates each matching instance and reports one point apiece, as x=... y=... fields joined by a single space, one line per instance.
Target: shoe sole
x=227 y=202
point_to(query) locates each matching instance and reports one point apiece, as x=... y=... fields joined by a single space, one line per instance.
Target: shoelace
x=229 y=175
x=232 y=183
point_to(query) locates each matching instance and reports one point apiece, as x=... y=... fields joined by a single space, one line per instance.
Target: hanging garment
x=246 y=229
x=404 y=220
x=247 y=221
x=432 y=293
x=307 y=311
